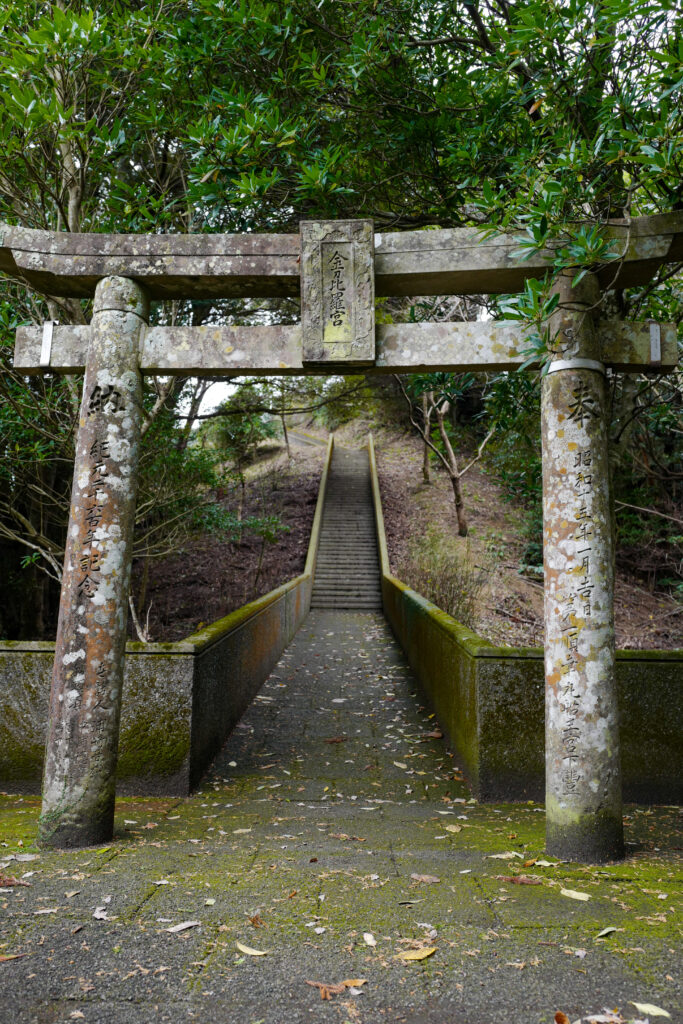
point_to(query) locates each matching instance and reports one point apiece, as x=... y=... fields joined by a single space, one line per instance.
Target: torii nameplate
x=338 y=292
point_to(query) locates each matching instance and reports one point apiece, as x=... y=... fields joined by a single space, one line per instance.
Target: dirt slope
x=511 y=607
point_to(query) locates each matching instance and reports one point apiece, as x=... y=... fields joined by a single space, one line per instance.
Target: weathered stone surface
x=337 y=292
x=463 y=261
x=199 y=266
x=404 y=348
x=401 y=348
x=507 y=685
x=85 y=700
x=458 y=260
x=583 y=774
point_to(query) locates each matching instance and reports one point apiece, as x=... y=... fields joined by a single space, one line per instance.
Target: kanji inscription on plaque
x=337 y=291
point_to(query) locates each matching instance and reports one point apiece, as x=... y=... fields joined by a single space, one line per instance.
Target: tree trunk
x=426 y=417
x=240 y=504
x=441 y=413
x=144 y=581
x=463 y=528
x=286 y=435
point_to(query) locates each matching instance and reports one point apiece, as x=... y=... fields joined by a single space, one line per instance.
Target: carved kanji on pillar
x=85 y=700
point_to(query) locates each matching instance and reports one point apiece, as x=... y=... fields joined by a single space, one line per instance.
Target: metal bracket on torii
x=337 y=267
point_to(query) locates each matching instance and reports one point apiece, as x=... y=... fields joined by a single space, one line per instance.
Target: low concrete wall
x=490 y=700
x=180 y=700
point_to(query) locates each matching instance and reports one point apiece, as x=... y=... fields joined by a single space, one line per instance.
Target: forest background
x=544 y=119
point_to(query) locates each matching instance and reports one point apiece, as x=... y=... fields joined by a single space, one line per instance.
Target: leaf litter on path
x=328 y=990
x=250 y=951
x=9 y=880
x=574 y=895
x=607 y=1016
x=416 y=954
x=519 y=879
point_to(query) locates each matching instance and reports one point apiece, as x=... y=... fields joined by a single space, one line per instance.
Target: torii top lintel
x=448 y=261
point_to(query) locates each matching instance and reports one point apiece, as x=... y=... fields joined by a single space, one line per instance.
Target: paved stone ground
x=329 y=802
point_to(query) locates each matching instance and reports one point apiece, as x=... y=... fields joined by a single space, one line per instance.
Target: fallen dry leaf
x=607 y=931
x=249 y=951
x=653 y=1011
x=183 y=926
x=400 y=764
x=8 y=880
x=508 y=855
x=337 y=739
x=453 y=828
x=11 y=956
x=369 y=939
x=257 y=922
x=50 y=910
x=416 y=954
x=327 y=991
x=606 y=1017
x=561 y=1018
x=428 y=879
x=519 y=879
x=436 y=734
x=574 y=895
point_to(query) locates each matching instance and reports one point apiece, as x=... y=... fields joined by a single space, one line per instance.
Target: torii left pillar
x=79 y=777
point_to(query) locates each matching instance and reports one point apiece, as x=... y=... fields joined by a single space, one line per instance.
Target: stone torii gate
x=337 y=267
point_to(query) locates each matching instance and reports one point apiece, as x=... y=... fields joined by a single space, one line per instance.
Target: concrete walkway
x=336 y=835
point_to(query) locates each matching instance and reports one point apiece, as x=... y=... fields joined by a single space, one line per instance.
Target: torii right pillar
x=583 y=769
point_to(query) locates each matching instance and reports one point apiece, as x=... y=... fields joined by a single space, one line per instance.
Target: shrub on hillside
x=438 y=568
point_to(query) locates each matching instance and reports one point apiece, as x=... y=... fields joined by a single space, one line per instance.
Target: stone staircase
x=347 y=572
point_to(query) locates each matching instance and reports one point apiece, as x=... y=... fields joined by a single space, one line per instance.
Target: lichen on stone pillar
x=583 y=774
x=85 y=700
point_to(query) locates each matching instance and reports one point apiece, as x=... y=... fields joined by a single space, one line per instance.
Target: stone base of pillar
x=594 y=838
x=58 y=829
